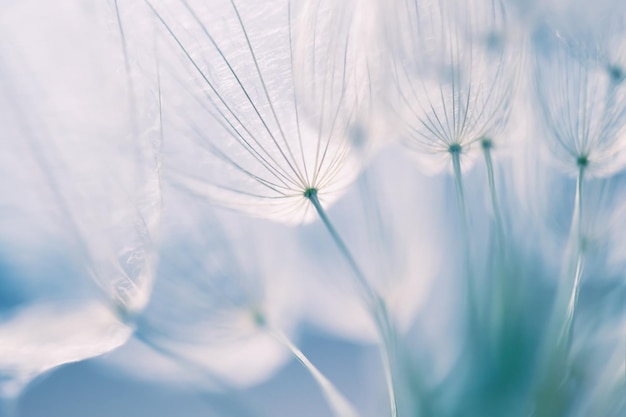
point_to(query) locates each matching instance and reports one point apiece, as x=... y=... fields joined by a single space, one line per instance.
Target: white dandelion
x=454 y=67
x=268 y=141
x=580 y=91
x=580 y=94
x=260 y=141
x=454 y=71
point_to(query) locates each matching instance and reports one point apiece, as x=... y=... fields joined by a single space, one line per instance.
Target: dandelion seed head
x=454 y=73
x=580 y=98
x=274 y=117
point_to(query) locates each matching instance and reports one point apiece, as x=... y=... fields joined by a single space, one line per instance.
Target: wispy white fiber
x=272 y=106
x=454 y=70
x=580 y=88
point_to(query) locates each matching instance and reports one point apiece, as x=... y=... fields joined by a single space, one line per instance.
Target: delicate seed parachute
x=581 y=95
x=454 y=71
x=260 y=133
x=127 y=126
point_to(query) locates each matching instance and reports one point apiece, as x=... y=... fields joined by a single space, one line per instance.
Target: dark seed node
x=455 y=148
x=310 y=192
x=259 y=318
x=616 y=73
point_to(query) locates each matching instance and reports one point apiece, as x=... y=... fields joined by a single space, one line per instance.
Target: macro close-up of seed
x=346 y=208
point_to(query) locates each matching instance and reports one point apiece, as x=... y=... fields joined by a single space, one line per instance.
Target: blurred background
x=312 y=208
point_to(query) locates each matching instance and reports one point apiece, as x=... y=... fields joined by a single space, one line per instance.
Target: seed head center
x=455 y=148
x=310 y=193
x=582 y=161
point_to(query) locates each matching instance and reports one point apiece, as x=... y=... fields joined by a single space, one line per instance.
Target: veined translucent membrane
x=97 y=181
x=40 y=337
x=454 y=70
x=80 y=188
x=267 y=96
x=217 y=298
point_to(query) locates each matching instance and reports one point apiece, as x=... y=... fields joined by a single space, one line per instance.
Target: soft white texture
x=40 y=337
x=454 y=68
x=272 y=105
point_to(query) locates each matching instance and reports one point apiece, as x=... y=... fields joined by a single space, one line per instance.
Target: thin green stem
x=501 y=291
x=576 y=244
x=375 y=303
x=340 y=405
x=364 y=285
x=458 y=179
x=495 y=206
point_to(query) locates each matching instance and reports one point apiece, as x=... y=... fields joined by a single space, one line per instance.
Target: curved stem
x=364 y=285
x=576 y=246
x=340 y=405
x=375 y=303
